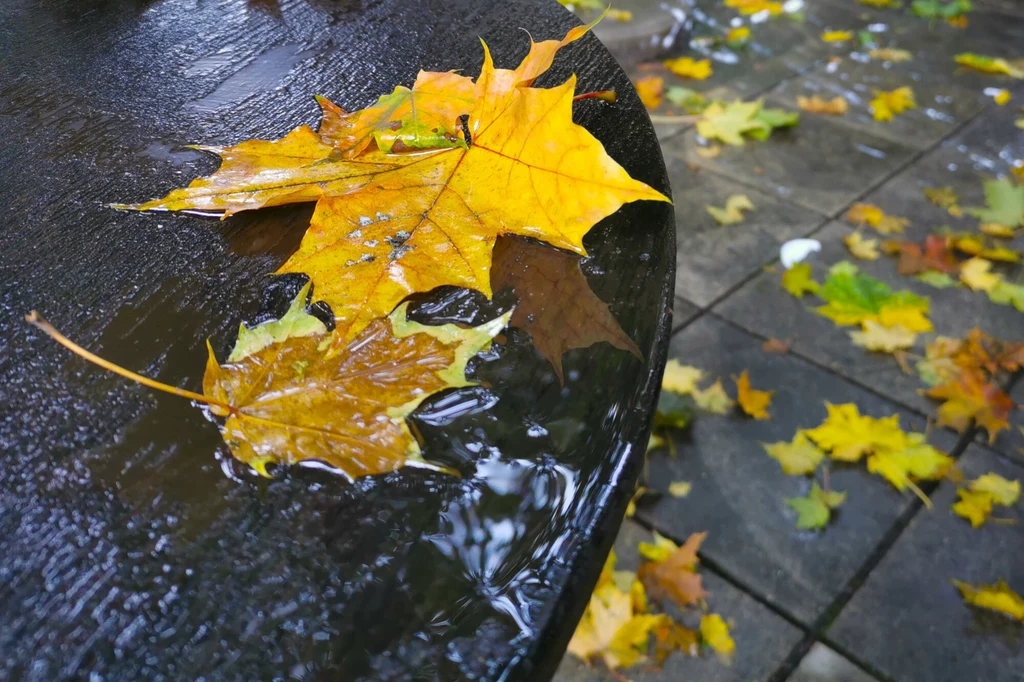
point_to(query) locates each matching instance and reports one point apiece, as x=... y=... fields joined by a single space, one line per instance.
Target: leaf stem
x=36 y=320
x=605 y=95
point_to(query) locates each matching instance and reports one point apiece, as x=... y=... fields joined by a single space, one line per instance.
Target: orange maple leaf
x=675 y=578
x=973 y=398
x=755 y=403
x=388 y=225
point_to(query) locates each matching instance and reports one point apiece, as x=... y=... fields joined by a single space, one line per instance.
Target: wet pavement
x=868 y=599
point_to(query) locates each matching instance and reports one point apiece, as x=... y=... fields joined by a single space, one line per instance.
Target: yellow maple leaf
x=972 y=397
x=985 y=64
x=713 y=399
x=887 y=104
x=659 y=550
x=687 y=67
x=837 y=36
x=755 y=6
x=755 y=403
x=861 y=214
x=849 y=436
x=998 y=597
x=735 y=206
x=889 y=54
x=1002 y=97
x=973 y=506
x=864 y=249
x=1002 y=490
x=680 y=378
x=875 y=336
x=799 y=457
x=714 y=632
x=837 y=106
x=910 y=317
x=997 y=230
x=975 y=274
x=650 y=89
x=738 y=35
x=798 y=280
x=390 y=224
x=679 y=488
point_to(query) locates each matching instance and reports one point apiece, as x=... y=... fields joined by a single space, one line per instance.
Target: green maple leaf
x=730 y=122
x=852 y=296
x=815 y=510
x=1005 y=204
x=935 y=9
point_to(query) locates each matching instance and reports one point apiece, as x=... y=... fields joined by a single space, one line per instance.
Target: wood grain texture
x=125 y=550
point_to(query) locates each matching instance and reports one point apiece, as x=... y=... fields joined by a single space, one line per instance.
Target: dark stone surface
x=820 y=165
x=763 y=639
x=910 y=623
x=739 y=491
x=125 y=550
x=762 y=306
x=1010 y=443
x=822 y=664
x=710 y=258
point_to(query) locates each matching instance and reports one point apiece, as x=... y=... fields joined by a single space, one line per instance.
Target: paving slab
x=820 y=165
x=910 y=623
x=739 y=492
x=763 y=639
x=822 y=664
x=711 y=258
x=941 y=106
x=763 y=307
x=682 y=312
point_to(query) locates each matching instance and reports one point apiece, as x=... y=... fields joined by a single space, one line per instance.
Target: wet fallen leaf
x=939 y=280
x=975 y=507
x=670 y=636
x=674 y=411
x=874 y=336
x=1005 y=293
x=798 y=457
x=737 y=36
x=935 y=255
x=997 y=230
x=885 y=105
x=687 y=67
x=679 y=488
x=690 y=100
x=674 y=577
x=941 y=9
x=853 y=298
x=659 y=550
x=837 y=106
x=621 y=15
x=733 y=213
x=985 y=64
x=864 y=249
x=1005 y=201
x=974 y=244
x=651 y=90
x=975 y=274
x=753 y=402
x=711 y=151
x=713 y=399
x=680 y=378
x=715 y=633
x=556 y=304
x=775 y=346
x=1001 y=98
x=387 y=224
x=978 y=353
x=868 y=214
x=815 y=510
x=837 y=36
x=882 y=4
x=998 y=597
x=1003 y=491
x=730 y=122
x=890 y=54
x=972 y=398
x=798 y=280
x=946 y=198
x=755 y=6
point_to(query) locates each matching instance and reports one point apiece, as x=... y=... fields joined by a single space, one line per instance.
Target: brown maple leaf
x=935 y=254
x=971 y=397
x=556 y=304
x=675 y=578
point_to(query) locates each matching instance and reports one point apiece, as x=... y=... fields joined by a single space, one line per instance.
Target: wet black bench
x=131 y=546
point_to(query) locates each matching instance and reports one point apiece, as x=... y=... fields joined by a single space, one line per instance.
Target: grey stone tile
x=739 y=492
x=908 y=622
x=1011 y=7
x=657 y=28
x=991 y=143
x=1010 y=443
x=763 y=639
x=682 y=312
x=713 y=258
x=763 y=307
x=822 y=664
x=941 y=106
x=818 y=164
